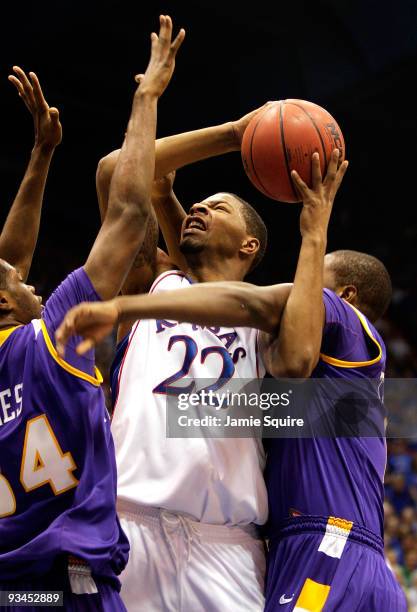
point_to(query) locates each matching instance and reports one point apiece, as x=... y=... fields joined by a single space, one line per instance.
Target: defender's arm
x=20 y=232
x=229 y=304
x=295 y=349
x=125 y=224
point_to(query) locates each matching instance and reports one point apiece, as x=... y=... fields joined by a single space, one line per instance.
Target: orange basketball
x=282 y=138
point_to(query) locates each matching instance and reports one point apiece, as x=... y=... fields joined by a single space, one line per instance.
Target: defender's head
x=18 y=302
x=224 y=227
x=360 y=279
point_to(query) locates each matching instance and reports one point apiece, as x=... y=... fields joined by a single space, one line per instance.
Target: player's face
x=216 y=224
x=23 y=301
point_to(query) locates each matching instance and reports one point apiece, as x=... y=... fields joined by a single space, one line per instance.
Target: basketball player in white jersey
x=197 y=551
x=190 y=507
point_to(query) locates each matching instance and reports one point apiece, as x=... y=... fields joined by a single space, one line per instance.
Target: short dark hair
x=370 y=277
x=255 y=227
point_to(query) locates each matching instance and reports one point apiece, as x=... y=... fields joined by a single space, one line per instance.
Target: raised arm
x=20 y=232
x=124 y=228
x=170 y=215
x=294 y=350
x=171 y=153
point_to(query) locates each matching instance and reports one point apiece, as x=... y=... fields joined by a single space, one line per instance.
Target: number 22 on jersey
x=43 y=462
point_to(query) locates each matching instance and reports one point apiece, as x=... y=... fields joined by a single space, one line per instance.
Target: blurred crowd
x=399 y=332
x=400 y=510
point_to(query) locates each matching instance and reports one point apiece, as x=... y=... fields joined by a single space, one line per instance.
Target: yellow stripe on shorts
x=313 y=596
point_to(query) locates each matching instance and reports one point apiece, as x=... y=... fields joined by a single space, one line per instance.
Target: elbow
x=297 y=366
x=105 y=168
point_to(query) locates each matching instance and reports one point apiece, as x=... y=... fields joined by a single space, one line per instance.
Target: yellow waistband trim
x=340 y=363
x=97 y=380
x=5 y=333
x=334 y=521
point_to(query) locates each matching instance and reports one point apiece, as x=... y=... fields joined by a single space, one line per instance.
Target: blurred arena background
x=357 y=58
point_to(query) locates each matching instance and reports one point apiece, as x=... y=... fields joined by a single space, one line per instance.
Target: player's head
x=225 y=227
x=360 y=279
x=18 y=302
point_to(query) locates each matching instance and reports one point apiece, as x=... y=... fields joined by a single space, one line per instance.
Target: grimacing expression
x=216 y=224
x=26 y=305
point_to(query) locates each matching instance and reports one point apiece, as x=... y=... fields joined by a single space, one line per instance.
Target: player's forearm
x=213 y=304
x=298 y=345
x=172 y=153
x=20 y=232
x=180 y=150
x=170 y=215
x=132 y=178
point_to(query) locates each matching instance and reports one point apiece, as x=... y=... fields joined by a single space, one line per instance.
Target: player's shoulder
x=170 y=278
x=338 y=310
x=76 y=284
x=17 y=334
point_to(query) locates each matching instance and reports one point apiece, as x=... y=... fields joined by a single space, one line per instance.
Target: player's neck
x=7 y=322
x=201 y=272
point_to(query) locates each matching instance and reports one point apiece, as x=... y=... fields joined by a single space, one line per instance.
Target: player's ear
x=250 y=246
x=5 y=301
x=348 y=293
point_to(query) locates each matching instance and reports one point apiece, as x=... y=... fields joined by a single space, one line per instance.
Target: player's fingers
x=23 y=86
x=166 y=29
x=54 y=115
x=139 y=78
x=21 y=91
x=37 y=92
x=85 y=346
x=63 y=333
x=16 y=83
x=163 y=29
x=154 y=42
x=23 y=78
x=332 y=167
x=339 y=176
x=165 y=33
x=300 y=185
x=179 y=39
x=316 y=177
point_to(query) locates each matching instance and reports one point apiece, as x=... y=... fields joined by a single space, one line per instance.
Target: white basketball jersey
x=215 y=480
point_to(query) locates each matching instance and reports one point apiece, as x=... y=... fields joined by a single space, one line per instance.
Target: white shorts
x=177 y=564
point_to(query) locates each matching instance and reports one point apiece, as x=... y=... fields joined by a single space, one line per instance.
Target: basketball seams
x=283 y=138
x=284 y=148
x=317 y=130
x=266 y=191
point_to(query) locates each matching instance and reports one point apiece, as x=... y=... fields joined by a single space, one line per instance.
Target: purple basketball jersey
x=336 y=476
x=57 y=466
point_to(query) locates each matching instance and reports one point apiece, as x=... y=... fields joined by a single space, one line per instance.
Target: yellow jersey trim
x=97 y=380
x=5 y=333
x=340 y=363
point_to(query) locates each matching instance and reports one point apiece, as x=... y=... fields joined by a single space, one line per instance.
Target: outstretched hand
x=162 y=63
x=48 y=129
x=318 y=200
x=93 y=321
x=241 y=124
